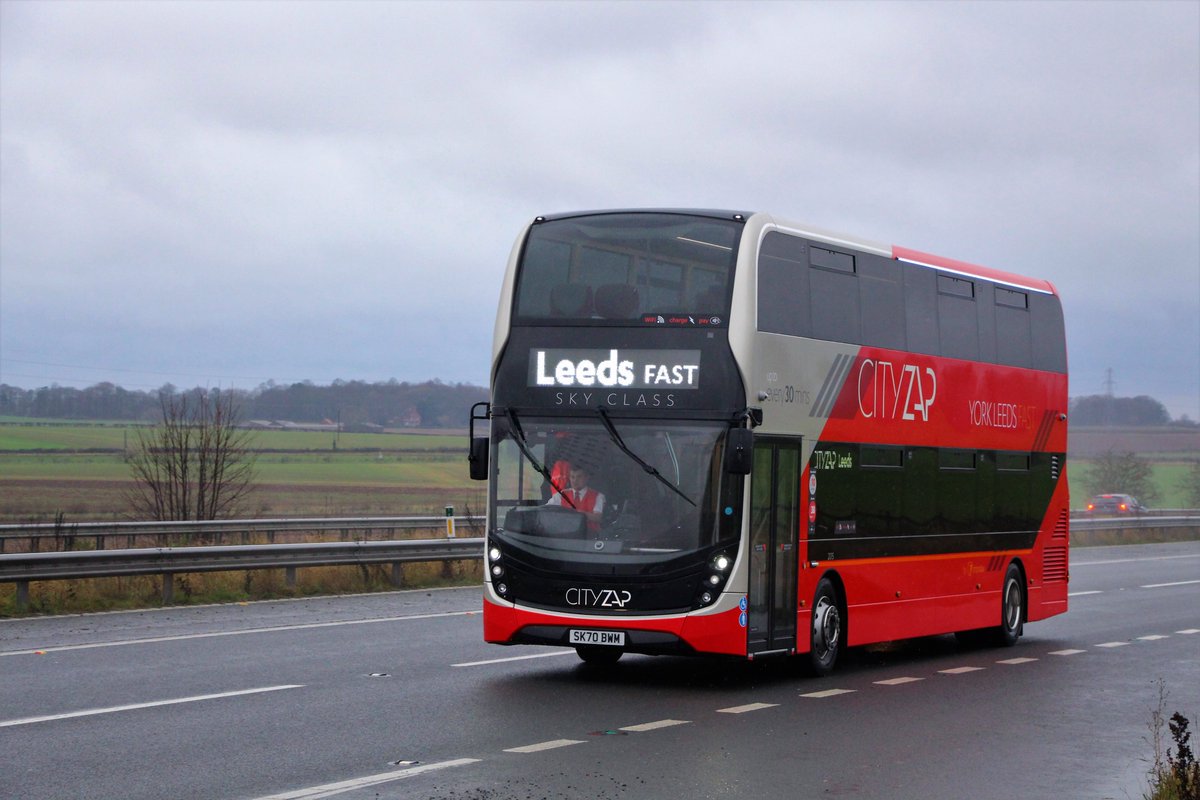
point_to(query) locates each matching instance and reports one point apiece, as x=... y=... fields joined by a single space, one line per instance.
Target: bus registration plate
x=610 y=638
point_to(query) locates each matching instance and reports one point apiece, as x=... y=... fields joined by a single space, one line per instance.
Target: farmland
x=49 y=467
x=80 y=471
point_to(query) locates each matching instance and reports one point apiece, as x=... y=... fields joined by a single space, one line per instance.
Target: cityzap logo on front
x=614 y=369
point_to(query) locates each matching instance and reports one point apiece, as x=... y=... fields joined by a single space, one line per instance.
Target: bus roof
x=897 y=252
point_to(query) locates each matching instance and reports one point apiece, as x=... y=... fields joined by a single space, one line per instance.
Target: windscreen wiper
x=519 y=438
x=619 y=442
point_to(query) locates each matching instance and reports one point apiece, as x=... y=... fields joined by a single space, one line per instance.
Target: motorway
x=396 y=696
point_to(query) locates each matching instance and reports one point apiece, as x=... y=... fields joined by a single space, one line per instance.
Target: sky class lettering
x=615 y=369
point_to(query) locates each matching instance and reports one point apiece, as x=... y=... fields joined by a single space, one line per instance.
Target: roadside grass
x=114 y=594
x=1175 y=772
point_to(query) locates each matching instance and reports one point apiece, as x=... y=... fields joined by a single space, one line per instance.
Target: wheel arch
x=843 y=601
x=1020 y=565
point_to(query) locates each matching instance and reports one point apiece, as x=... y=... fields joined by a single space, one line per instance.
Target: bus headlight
x=497 y=570
x=719 y=567
x=494 y=553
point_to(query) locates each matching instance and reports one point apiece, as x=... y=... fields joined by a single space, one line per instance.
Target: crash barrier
x=52 y=536
x=21 y=568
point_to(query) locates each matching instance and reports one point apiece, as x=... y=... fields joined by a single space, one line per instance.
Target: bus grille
x=1054 y=565
x=1060 y=528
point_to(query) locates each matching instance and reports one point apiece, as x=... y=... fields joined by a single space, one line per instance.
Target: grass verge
x=145 y=591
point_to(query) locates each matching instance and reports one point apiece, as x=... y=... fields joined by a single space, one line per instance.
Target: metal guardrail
x=1132 y=522
x=21 y=568
x=178 y=532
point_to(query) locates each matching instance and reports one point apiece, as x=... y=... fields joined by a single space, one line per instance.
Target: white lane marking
x=829 y=693
x=746 y=708
x=330 y=789
x=1081 y=594
x=1131 y=560
x=514 y=658
x=1020 y=660
x=653 y=726
x=1174 y=583
x=1188 y=631
x=960 y=670
x=1066 y=652
x=898 y=681
x=540 y=746
x=216 y=634
x=1113 y=644
x=1154 y=637
x=152 y=704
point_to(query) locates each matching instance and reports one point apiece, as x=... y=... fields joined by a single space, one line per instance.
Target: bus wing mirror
x=478 y=459
x=739 y=451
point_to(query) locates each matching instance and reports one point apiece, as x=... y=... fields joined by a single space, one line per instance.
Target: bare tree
x=1122 y=472
x=196 y=463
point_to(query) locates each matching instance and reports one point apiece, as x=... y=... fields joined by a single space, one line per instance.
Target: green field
x=80 y=471
x=118 y=437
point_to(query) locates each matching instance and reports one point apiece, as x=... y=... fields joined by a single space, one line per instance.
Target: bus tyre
x=826 y=631
x=1012 y=608
x=599 y=656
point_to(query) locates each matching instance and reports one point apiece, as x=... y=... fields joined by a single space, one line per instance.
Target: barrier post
x=448 y=566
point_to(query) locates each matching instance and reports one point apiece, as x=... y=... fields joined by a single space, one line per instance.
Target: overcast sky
x=226 y=193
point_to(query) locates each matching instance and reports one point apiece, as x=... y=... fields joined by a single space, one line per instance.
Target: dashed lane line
x=828 y=693
x=1173 y=583
x=553 y=744
x=1154 y=637
x=899 y=681
x=514 y=658
x=1018 y=660
x=960 y=670
x=1067 y=652
x=1113 y=644
x=331 y=789
x=653 y=726
x=8 y=723
x=746 y=708
x=1188 y=631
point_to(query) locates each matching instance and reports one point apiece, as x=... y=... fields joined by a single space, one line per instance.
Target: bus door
x=774 y=568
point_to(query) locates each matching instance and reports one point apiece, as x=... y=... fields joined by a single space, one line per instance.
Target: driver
x=581 y=497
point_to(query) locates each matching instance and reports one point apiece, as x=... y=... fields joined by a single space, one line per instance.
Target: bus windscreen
x=630 y=268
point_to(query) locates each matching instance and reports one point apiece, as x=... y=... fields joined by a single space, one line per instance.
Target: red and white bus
x=800 y=441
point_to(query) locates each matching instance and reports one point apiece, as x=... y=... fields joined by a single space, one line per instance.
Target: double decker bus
x=799 y=441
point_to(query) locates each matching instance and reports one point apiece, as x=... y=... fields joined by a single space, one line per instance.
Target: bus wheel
x=827 y=628
x=1012 y=608
x=600 y=656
